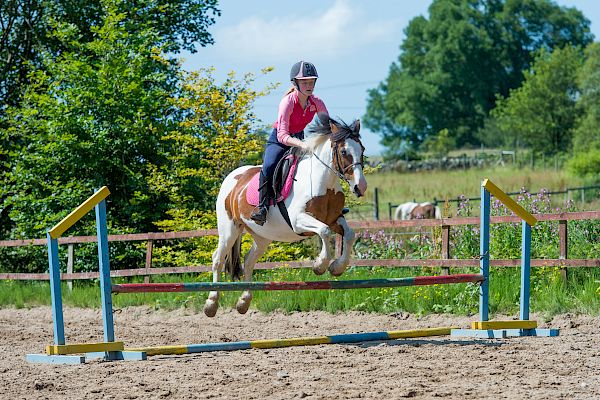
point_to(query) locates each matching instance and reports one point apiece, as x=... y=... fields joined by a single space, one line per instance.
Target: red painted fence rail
x=445 y=262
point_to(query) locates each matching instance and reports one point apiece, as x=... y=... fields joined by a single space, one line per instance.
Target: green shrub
x=585 y=164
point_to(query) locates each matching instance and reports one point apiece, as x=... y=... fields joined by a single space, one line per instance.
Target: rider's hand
x=304 y=146
x=292 y=141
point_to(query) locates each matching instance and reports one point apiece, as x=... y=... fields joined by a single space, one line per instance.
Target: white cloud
x=314 y=33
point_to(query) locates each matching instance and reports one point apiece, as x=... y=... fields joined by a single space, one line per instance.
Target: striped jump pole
x=301 y=341
x=310 y=285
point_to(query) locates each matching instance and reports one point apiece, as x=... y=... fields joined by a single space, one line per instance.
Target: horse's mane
x=321 y=131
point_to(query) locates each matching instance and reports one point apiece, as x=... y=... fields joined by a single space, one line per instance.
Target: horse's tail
x=233 y=261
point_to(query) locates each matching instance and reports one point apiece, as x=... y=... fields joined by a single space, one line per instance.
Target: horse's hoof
x=337 y=268
x=242 y=306
x=320 y=266
x=319 y=271
x=210 y=308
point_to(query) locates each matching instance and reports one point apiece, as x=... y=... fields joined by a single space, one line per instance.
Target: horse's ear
x=334 y=127
x=357 y=126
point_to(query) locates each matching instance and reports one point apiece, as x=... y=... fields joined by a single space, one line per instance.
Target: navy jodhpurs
x=273 y=153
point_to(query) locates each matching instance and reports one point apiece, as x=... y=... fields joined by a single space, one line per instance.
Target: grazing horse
x=314 y=206
x=412 y=210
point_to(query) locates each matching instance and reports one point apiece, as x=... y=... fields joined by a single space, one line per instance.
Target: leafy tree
x=542 y=113
x=93 y=116
x=24 y=26
x=586 y=138
x=115 y=111
x=452 y=65
x=587 y=134
x=20 y=32
x=39 y=38
x=213 y=138
x=586 y=164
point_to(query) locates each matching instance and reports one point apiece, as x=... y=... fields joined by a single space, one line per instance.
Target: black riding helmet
x=303 y=70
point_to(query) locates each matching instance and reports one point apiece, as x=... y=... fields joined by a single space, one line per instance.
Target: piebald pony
x=314 y=206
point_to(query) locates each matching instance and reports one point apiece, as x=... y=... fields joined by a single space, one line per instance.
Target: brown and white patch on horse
x=235 y=202
x=327 y=209
x=423 y=212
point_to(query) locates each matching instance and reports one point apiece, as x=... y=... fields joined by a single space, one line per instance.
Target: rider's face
x=307 y=85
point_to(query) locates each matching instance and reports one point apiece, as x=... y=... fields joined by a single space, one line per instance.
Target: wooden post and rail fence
x=445 y=261
x=372 y=206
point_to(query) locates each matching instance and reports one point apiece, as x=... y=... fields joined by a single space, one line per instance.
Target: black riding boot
x=260 y=215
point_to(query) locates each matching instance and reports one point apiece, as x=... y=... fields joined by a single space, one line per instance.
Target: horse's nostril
x=357 y=191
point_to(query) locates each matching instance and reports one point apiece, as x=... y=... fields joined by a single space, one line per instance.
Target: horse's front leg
x=258 y=249
x=340 y=265
x=307 y=223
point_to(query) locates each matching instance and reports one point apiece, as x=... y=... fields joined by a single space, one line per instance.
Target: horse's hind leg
x=339 y=265
x=228 y=235
x=258 y=249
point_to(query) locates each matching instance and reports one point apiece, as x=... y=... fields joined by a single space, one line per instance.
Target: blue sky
x=352 y=43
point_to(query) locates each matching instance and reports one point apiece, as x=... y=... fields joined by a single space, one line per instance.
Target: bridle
x=336 y=159
x=339 y=170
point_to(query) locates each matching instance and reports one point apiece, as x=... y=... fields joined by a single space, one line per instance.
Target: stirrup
x=260 y=217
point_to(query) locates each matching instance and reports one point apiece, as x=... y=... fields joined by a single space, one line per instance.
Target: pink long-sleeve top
x=292 y=118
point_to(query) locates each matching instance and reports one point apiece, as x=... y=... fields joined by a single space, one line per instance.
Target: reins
x=339 y=171
x=343 y=133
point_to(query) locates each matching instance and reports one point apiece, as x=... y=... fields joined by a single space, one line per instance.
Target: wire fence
x=580 y=194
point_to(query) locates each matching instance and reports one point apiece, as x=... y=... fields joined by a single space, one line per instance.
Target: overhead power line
x=339 y=86
x=343 y=85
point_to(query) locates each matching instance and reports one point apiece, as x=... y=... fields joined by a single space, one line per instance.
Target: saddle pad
x=252 y=196
x=252 y=190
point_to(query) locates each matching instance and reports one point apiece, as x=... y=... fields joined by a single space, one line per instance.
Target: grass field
x=549 y=295
x=397 y=188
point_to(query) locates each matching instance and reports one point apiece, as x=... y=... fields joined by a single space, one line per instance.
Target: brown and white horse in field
x=412 y=210
x=314 y=206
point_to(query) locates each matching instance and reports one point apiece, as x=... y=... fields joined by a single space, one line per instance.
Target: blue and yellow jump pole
x=500 y=329
x=301 y=341
x=60 y=352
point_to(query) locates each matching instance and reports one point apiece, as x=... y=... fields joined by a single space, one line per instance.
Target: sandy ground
x=567 y=366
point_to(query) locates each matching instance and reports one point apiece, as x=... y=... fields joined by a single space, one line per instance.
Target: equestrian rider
x=296 y=110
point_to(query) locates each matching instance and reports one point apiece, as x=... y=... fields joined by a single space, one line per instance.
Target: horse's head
x=346 y=151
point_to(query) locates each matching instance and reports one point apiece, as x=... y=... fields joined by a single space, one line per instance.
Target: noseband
x=337 y=162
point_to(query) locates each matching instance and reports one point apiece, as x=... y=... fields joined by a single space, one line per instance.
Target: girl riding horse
x=314 y=207
x=296 y=110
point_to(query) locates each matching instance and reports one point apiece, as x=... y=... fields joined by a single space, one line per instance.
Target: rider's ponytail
x=290 y=90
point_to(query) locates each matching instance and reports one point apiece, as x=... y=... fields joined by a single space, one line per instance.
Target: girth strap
x=284 y=213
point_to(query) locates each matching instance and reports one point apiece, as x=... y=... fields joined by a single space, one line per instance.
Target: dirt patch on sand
x=567 y=366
